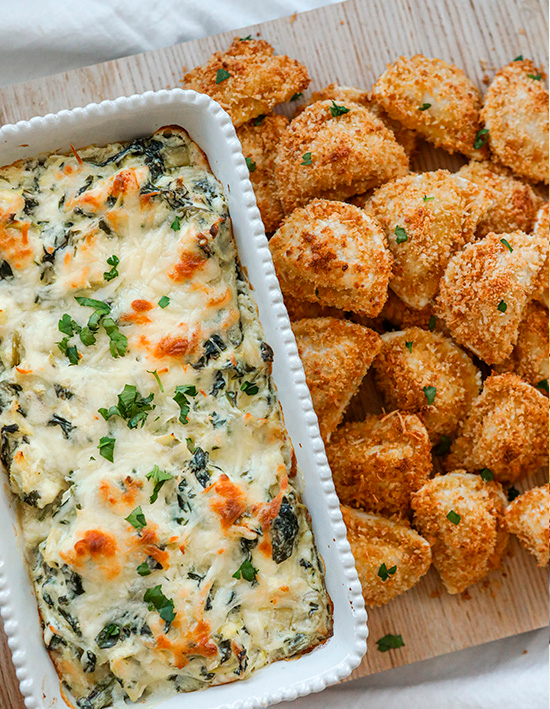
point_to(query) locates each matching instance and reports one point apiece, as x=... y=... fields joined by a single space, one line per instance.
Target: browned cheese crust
x=374 y=541
x=512 y=204
x=515 y=112
x=506 y=430
x=528 y=518
x=405 y=378
x=377 y=463
x=259 y=140
x=451 y=121
x=333 y=254
x=465 y=550
x=258 y=80
x=345 y=94
x=344 y=155
x=541 y=231
x=336 y=355
x=439 y=214
x=485 y=289
x=529 y=358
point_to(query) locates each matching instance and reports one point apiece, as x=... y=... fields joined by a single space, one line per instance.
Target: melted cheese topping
x=160 y=506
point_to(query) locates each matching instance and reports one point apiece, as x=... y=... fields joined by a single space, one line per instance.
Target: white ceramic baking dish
x=208 y=125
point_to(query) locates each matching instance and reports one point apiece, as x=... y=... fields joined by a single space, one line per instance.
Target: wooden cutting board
x=351 y=43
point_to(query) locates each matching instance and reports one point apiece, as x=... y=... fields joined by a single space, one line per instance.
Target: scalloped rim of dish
x=30 y=689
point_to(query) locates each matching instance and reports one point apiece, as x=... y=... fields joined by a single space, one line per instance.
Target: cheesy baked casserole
x=141 y=431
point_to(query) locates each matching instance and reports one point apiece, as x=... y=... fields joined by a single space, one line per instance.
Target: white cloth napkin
x=41 y=37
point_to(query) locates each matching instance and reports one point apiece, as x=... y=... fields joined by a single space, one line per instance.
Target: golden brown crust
x=344 y=94
x=404 y=378
x=515 y=112
x=259 y=141
x=485 y=289
x=541 y=231
x=439 y=213
x=336 y=355
x=397 y=313
x=374 y=541
x=350 y=153
x=377 y=463
x=528 y=517
x=465 y=551
x=299 y=309
x=506 y=430
x=258 y=81
x=333 y=254
x=513 y=204
x=451 y=121
x=529 y=358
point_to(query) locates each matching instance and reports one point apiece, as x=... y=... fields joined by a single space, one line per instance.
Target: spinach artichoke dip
x=141 y=431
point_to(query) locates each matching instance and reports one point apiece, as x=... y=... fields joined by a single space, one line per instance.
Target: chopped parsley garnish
x=482 y=136
x=424 y=107
x=113 y=273
x=164 y=301
x=337 y=110
x=158 y=477
x=519 y=58
x=249 y=388
x=400 y=234
x=222 y=75
x=107 y=447
x=427 y=199
x=409 y=346
x=536 y=77
x=182 y=392
x=486 y=475
x=119 y=342
x=158 y=601
x=245 y=39
x=543 y=384
x=429 y=393
x=87 y=336
x=443 y=446
x=384 y=573
x=156 y=375
x=251 y=165
x=297 y=96
x=70 y=351
x=176 y=224
x=258 y=121
x=99 y=305
x=143 y=569
x=131 y=407
x=431 y=323
x=137 y=519
x=390 y=642
x=68 y=326
x=453 y=517
x=306 y=159
x=246 y=570
x=109 y=636
x=507 y=244
x=513 y=492
x=502 y=306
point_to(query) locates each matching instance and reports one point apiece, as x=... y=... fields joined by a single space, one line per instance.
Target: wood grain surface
x=351 y=43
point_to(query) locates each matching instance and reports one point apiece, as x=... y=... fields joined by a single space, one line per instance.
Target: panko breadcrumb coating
x=434 y=98
x=299 y=309
x=336 y=355
x=401 y=316
x=541 y=231
x=461 y=516
x=506 y=431
x=258 y=80
x=426 y=373
x=259 y=141
x=515 y=112
x=390 y=557
x=335 y=156
x=529 y=358
x=485 y=289
x=344 y=94
x=333 y=254
x=513 y=204
x=377 y=463
x=528 y=517
x=426 y=219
